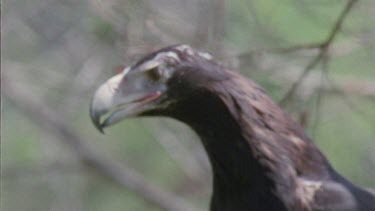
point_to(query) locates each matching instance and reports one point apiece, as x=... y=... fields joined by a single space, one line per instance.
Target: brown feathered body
x=261 y=159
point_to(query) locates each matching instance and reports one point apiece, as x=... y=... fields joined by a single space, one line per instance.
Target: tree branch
x=323 y=50
x=290 y=49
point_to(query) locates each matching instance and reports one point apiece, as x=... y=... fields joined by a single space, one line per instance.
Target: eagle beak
x=95 y=118
x=117 y=99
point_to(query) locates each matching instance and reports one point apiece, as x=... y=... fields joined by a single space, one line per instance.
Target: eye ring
x=154 y=73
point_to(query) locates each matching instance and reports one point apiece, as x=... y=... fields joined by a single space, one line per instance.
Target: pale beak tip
x=97 y=125
x=95 y=118
x=100 y=128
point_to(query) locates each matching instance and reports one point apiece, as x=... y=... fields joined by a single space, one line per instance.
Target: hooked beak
x=110 y=104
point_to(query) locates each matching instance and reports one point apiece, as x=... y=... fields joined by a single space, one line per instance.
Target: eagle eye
x=154 y=73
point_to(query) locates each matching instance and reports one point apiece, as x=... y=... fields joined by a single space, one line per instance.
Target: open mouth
x=122 y=110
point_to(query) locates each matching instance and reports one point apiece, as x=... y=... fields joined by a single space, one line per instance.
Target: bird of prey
x=261 y=159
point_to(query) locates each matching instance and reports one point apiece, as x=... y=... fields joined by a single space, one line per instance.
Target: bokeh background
x=55 y=53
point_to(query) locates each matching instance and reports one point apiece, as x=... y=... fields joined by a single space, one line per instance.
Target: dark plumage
x=261 y=159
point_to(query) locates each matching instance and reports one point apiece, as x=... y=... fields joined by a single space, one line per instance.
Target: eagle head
x=151 y=85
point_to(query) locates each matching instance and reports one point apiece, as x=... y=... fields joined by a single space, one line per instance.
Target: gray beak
x=119 y=98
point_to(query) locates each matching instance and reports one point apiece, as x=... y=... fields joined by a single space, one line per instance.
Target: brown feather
x=261 y=159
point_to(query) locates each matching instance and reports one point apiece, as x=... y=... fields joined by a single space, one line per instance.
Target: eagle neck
x=240 y=182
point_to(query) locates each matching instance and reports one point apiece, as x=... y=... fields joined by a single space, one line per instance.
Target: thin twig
x=323 y=50
x=290 y=49
x=320 y=96
x=290 y=93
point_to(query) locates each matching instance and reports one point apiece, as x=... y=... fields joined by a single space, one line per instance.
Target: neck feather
x=240 y=180
x=254 y=148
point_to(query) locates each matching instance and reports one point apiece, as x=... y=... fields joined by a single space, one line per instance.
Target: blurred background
x=315 y=57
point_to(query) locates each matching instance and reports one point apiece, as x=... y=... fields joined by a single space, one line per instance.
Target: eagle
x=261 y=159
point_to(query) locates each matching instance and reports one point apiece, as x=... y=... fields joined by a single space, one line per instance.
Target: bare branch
x=281 y=73
x=290 y=93
x=323 y=51
x=339 y=22
x=290 y=49
x=320 y=96
x=322 y=48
